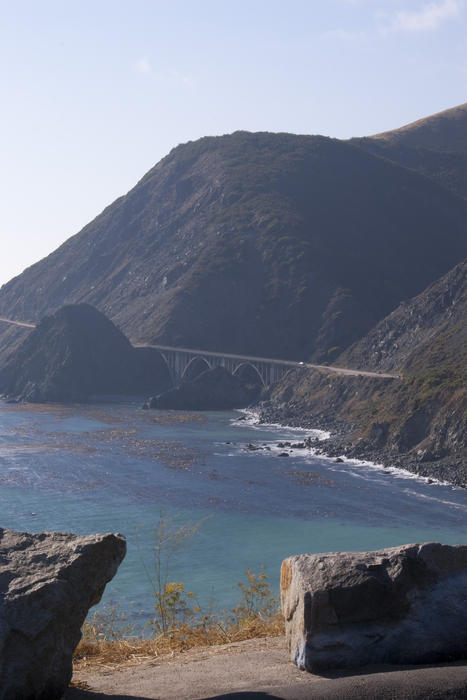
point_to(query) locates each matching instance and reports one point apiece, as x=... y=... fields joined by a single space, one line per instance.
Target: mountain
x=435 y=147
x=417 y=421
x=77 y=353
x=445 y=131
x=266 y=244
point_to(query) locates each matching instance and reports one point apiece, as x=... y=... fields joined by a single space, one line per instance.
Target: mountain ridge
x=443 y=131
x=252 y=243
x=435 y=146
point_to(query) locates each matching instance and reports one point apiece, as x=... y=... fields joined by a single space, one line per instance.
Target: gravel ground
x=261 y=669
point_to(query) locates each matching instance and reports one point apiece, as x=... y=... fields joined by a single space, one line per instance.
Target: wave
x=252 y=419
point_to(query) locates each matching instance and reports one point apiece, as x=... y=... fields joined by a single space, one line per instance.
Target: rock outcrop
x=48 y=582
x=77 y=353
x=403 y=605
x=213 y=390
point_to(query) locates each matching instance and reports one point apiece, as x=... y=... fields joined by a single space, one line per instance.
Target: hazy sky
x=95 y=92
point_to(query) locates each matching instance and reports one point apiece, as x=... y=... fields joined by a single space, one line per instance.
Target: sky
x=95 y=92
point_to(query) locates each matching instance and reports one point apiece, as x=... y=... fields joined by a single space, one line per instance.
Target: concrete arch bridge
x=187 y=363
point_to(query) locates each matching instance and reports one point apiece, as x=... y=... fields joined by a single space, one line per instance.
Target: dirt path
x=260 y=668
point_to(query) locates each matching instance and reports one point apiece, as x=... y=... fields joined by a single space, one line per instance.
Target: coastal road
x=293 y=364
x=246 y=358
x=17 y=323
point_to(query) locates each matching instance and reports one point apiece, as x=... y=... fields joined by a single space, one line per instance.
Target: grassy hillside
x=444 y=131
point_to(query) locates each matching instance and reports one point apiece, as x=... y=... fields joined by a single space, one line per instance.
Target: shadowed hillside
x=269 y=244
x=419 y=321
x=78 y=353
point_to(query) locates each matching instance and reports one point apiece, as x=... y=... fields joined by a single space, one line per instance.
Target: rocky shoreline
x=343 y=442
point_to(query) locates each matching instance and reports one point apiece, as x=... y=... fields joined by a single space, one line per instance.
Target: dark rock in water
x=338 y=460
x=252 y=447
x=49 y=582
x=403 y=605
x=77 y=353
x=283 y=454
x=213 y=390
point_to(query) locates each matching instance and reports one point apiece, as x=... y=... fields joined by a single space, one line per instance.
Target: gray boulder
x=403 y=605
x=48 y=582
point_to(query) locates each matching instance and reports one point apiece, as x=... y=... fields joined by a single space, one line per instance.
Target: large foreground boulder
x=403 y=605
x=48 y=582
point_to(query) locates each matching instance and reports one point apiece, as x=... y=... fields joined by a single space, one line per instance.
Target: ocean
x=112 y=467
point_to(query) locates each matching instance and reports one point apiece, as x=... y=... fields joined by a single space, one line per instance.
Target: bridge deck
x=245 y=358
x=272 y=360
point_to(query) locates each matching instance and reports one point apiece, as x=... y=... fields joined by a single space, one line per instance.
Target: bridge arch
x=170 y=368
x=195 y=367
x=249 y=373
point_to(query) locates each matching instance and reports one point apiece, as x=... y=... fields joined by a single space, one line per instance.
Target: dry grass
x=111 y=654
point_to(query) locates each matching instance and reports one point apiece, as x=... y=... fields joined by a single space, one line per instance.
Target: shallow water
x=114 y=467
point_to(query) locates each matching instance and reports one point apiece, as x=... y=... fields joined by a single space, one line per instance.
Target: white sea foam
x=427 y=497
x=370 y=468
x=252 y=420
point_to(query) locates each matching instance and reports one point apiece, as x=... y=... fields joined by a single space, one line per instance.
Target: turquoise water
x=114 y=467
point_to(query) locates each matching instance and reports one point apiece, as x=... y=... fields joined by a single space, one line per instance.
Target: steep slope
x=414 y=324
x=418 y=421
x=435 y=147
x=77 y=353
x=11 y=337
x=271 y=244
